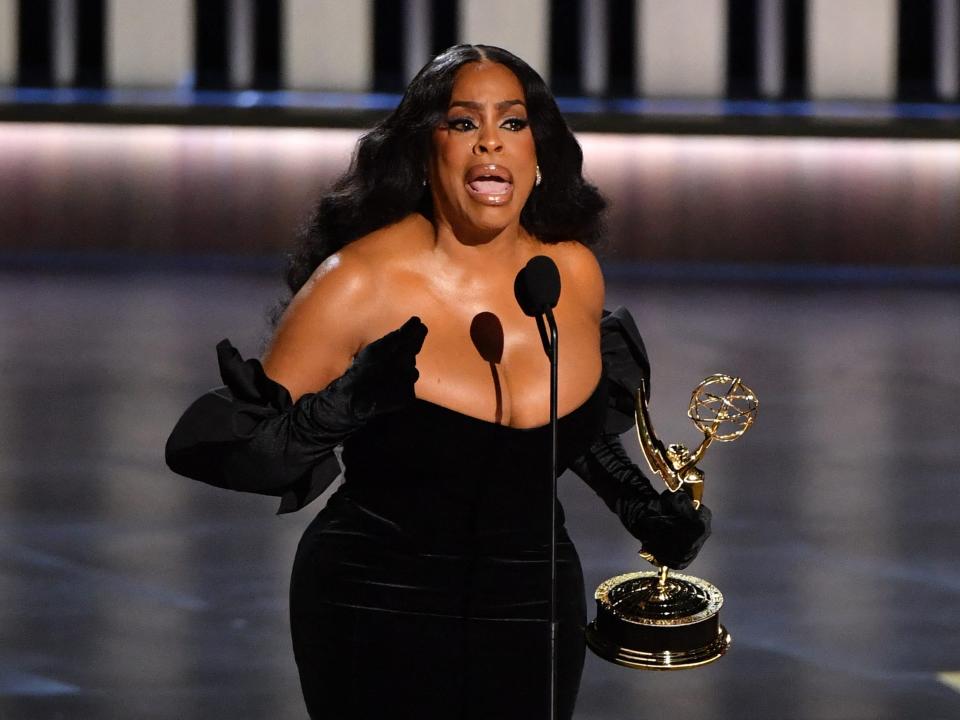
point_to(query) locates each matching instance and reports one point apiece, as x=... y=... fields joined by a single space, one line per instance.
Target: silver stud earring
x=539 y=177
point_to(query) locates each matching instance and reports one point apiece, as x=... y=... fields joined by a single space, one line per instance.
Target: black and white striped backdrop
x=740 y=49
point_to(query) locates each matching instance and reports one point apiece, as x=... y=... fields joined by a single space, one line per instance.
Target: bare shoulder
x=387 y=246
x=346 y=272
x=346 y=286
x=580 y=272
x=346 y=279
x=322 y=328
x=340 y=308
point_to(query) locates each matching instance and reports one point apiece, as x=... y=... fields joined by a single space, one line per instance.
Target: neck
x=483 y=248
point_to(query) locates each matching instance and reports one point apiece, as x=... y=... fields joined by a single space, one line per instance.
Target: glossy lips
x=490 y=184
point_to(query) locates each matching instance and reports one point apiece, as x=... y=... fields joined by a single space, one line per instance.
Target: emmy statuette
x=657 y=620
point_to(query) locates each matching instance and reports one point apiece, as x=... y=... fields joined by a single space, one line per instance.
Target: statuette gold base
x=656 y=621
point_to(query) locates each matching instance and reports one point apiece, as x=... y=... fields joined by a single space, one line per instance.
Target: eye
x=515 y=124
x=461 y=124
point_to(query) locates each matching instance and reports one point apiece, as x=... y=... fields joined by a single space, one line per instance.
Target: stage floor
x=129 y=592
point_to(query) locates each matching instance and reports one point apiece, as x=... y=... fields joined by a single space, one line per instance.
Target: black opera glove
x=383 y=374
x=250 y=436
x=665 y=523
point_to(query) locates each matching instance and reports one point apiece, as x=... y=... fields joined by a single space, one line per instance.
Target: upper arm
x=583 y=274
x=321 y=329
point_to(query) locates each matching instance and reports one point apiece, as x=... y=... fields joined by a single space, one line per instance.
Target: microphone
x=537 y=286
x=537 y=289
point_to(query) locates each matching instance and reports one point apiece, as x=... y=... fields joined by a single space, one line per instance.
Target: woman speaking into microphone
x=421 y=589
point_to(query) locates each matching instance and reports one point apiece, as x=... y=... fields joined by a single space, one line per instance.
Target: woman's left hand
x=666 y=523
x=676 y=535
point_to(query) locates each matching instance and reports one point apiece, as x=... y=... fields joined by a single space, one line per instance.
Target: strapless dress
x=422 y=588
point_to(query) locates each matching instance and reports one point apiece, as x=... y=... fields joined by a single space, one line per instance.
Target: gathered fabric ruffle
x=625 y=365
x=666 y=523
x=252 y=411
x=249 y=436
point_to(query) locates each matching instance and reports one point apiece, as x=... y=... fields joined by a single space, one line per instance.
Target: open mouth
x=491 y=183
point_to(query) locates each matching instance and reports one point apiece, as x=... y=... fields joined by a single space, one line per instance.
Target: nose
x=489 y=141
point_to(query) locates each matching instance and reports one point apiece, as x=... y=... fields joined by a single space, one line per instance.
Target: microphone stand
x=550 y=346
x=537 y=289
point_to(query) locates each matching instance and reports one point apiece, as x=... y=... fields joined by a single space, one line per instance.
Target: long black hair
x=385 y=181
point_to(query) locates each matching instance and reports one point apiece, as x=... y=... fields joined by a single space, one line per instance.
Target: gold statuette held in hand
x=721 y=407
x=655 y=620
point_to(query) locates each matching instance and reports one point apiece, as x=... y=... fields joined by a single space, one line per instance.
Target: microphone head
x=537 y=286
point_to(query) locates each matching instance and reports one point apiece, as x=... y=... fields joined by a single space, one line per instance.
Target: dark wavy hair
x=385 y=180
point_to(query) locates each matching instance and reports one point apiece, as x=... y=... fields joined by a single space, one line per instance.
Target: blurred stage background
x=784 y=179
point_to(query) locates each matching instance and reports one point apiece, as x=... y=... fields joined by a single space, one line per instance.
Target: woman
x=421 y=589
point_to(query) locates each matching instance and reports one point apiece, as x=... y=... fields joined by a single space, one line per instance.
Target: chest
x=484 y=358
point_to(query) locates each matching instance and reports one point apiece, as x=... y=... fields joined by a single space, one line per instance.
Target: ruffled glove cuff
x=250 y=436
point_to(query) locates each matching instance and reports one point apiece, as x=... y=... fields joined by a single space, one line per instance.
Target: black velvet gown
x=422 y=589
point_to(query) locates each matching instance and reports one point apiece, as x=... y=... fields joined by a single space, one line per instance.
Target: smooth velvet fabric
x=422 y=589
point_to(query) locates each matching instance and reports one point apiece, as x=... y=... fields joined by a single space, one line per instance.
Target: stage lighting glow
x=673 y=198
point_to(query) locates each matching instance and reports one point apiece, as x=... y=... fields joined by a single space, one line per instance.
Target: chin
x=468 y=217
x=494 y=219
x=501 y=215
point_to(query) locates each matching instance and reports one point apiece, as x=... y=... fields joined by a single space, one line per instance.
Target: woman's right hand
x=250 y=436
x=382 y=376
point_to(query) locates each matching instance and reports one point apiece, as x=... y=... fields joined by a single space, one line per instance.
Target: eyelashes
x=461 y=124
x=516 y=124
x=466 y=124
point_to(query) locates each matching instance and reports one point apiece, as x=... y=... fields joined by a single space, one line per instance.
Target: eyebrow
x=471 y=105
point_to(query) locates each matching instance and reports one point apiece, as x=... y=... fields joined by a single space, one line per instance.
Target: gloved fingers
x=676 y=534
x=706 y=517
x=679 y=504
x=675 y=555
x=247 y=380
x=404 y=380
x=236 y=373
x=678 y=563
x=669 y=555
x=412 y=334
x=383 y=374
x=404 y=342
x=682 y=559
